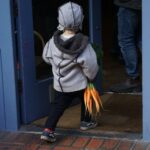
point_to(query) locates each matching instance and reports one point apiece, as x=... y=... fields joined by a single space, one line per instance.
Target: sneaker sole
x=46 y=139
x=87 y=128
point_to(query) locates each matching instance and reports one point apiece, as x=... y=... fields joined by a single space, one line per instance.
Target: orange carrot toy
x=92 y=100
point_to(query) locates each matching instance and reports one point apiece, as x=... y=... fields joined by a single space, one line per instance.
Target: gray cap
x=70 y=16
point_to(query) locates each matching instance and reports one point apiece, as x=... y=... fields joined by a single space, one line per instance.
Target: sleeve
x=88 y=62
x=46 y=53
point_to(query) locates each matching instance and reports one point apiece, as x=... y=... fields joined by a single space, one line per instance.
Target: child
x=73 y=63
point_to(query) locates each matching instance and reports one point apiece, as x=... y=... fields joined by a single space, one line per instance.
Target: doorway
x=124 y=111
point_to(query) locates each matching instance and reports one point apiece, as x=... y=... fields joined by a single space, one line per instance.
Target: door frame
x=145 y=66
x=10 y=115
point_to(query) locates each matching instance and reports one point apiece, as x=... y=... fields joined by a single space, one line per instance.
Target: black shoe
x=87 y=125
x=129 y=86
x=48 y=136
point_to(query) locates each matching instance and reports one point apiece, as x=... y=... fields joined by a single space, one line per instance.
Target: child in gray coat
x=73 y=63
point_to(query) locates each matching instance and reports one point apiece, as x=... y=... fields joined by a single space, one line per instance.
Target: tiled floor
x=31 y=141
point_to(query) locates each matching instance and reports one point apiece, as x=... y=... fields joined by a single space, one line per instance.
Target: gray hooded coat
x=73 y=60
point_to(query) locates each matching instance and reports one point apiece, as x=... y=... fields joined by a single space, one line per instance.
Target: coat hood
x=70 y=16
x=74 y=45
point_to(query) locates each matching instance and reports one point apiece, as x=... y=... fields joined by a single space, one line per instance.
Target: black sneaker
x=87 y=125
x=129 y=86
x=48 y=136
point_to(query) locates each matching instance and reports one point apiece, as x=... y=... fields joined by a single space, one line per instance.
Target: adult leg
x=127 y=38
x=127 y=32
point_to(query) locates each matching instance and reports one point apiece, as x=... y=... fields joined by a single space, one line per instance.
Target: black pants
x=63 y=101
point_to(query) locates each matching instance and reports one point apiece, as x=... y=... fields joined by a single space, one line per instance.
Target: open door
x=34 y=76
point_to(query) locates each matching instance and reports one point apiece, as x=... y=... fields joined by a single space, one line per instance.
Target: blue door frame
x=9 y=114
x=146 y=68
x=2 y=109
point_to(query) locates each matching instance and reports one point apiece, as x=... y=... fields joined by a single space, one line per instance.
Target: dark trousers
x=129 y=38
x=63 y=101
